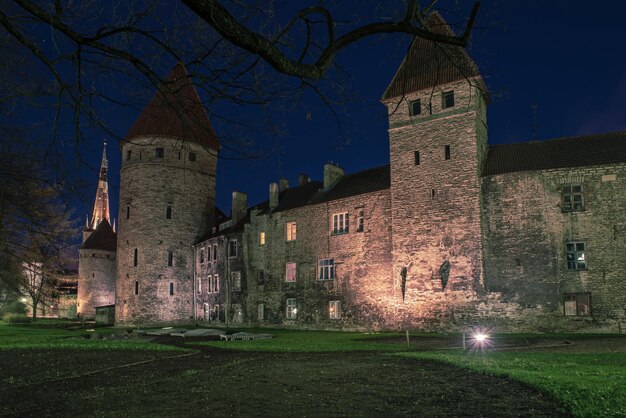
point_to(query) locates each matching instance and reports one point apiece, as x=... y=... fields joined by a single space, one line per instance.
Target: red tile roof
x=428 y=63
x=176 y=111
x=103 y=238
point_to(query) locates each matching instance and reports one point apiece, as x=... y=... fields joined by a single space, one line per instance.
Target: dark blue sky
x=566 y=57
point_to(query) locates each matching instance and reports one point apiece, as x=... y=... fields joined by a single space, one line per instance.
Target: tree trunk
x=35 y=303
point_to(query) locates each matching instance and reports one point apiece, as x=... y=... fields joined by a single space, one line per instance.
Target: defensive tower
x=167 y=201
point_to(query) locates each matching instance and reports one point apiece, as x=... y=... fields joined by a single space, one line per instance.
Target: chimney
x=239 y=206
x=283 y=185
x=332 y=174
x=273 y=195
x=303 y=179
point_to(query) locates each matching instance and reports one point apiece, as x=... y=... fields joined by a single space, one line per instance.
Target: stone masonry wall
x=148 y=185
x=96 y=281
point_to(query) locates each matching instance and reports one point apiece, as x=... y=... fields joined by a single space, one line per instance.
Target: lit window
x=415 y=107
x=260 y=312
x=235 y=278
x=576 y=257
x=448 y=99
x=340 y=223
x=290 y=272
x=160 y=153
x=360 y=221
x=291 y=308
x=447 y=152
x=192 y=156
x=232 y=248
x=170 y=258
x=573 y=198
x=577 y=304
x=168 y=212
x=334 y=309
x=262 y=238
x=171 y=289
x=261 y=277
x=135 y=257
x=291 y=231
x=327 y=269
x=416 y=156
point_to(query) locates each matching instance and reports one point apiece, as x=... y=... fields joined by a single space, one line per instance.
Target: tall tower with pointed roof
x=438 y=139
x=167 y=201
x=96 y=263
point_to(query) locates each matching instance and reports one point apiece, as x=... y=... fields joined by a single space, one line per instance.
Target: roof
x=103 y=238
x=176 y=111
x=579 y=151
x=429 y=63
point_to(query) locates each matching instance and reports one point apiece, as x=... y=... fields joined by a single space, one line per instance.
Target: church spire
x=101 y=206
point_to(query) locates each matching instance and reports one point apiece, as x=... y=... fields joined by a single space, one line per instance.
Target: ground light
x=477 y=339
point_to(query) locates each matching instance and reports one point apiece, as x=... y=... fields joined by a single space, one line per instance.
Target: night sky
x=566 y=57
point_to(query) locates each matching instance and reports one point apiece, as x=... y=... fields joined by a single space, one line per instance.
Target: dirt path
x=227 y=383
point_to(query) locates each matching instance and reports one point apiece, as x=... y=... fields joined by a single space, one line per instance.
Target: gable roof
x=176 y=111
x=429 y=63
x=103 y=238
x=579 y=151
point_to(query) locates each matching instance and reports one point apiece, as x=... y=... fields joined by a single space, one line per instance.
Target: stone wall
x=96 y=281
x=148 y=186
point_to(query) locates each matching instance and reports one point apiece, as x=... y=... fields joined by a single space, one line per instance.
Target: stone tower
x=167 y=201
x=96 y=264
x=438 y=138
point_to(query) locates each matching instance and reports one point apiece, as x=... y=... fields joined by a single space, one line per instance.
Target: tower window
x=127 y=212
x=171 y=288
x=160 y=153
x=448 y=99
x=136 y=287
x=168 y=212
x=128 y=154
x=415 y=107
x=202 y=255
x=135 y=254
x=416 y=155
x=170 y=258
x=433 y=193
x=447 y=152
x=140 y=155
x=192 y=156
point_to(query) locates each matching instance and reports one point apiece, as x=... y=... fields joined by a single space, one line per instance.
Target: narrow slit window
x=171 y=289
x=447 y=152
x=416 y=155
x=170 y=258
x=135 y=257
x=168 y=212
x=136 y=287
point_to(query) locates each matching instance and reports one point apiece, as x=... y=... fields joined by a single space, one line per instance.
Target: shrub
x=14 y=306
x=15 y=318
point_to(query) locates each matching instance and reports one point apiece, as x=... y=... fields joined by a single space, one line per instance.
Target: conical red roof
x=176 y=111
x=429 y=64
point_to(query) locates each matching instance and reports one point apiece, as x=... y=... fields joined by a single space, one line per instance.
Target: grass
x=293 y=341
x=589 y=384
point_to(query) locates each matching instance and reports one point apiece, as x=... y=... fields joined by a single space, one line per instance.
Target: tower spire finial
x=101 y=205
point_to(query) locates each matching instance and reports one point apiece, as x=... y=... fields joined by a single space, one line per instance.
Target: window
x=415 y=107
x=447 y=152
x=291 y=231
x=290 y=272
x=260 y=312
x=170 y=258
x=216 y=284
x=261 y=277
x=576 y=258
x=235 y=278
x=209 y=284
x=127 y=212
x=433 y=193
x=160 y=153
x=192 y=156
x=232 y=248
x=573 y=198
x=360 y=221
x=340 y=223
x=199 y=284
x=135 y=257
x=201 y=255
x=168 y=212
x=262 y=238
x=128 y=154
x=334 y=309
x=140 y=155
x=136 y=287
x=577 y=304
x=327 y=269
x=416 y=155
x=214 y=252
x=291 y=308
x=171 y=289
x=448 y=99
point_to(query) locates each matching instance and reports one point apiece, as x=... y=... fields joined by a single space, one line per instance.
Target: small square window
x=573 y=198
x=577 y=304
x=448 y=99
x=576 y=256
x=291 y=308
x=291 y=231
x=290 y=272
x=415 y=107
x=334 y=309
x=160 y=153
x=232 y=248
x=416 y=156
x=192 y=156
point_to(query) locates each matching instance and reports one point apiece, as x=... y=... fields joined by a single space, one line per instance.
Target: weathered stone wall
x=362 y=264
x=96 y=281
x=148 y=185
x=525 y=235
